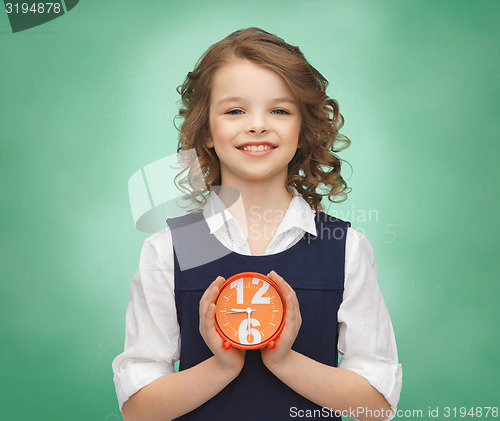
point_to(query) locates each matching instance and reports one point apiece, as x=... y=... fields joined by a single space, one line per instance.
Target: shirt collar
x=298 y=215
x=215 y=212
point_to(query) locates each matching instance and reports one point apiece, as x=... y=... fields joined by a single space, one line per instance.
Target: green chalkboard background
x=88 y=99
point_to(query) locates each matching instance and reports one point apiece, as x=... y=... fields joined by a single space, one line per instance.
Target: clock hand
x=238 y=310
x=249 y=310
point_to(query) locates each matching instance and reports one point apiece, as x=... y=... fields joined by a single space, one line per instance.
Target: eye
x=234 y=112
x=280 y=111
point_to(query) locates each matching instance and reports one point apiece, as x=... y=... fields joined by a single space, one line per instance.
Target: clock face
x=250 y=311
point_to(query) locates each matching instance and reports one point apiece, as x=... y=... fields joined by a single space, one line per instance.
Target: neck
x=260 y=202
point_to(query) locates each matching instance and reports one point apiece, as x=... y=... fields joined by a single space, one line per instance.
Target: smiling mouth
x=255 y=148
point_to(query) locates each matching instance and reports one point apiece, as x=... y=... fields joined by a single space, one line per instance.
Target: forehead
x=246 y=79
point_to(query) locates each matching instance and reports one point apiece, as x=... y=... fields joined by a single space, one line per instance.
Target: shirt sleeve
x=152 y=336
x=366 y=337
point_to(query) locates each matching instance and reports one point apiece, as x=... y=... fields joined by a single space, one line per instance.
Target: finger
x=277 y=278
x=211 y=314
x=286 y=289
x=215 y=289
x=210 y=294
x=203 y=304
x=208 y=320
x=217 y=283
x=206 y=316
x=284 y=286
x=291 y=300
x=290 y=308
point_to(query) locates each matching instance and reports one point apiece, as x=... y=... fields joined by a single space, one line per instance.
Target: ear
x=207 y=139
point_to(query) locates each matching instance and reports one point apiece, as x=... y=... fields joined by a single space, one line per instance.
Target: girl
x=258 y=116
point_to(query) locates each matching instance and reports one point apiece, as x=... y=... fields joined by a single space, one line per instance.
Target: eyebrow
x=239 y=99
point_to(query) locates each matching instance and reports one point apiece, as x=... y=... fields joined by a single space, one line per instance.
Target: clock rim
x=282 y=324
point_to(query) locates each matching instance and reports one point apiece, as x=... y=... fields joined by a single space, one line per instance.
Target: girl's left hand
x=293 y=320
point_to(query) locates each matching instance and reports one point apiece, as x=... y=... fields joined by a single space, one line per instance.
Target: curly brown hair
x=315 y=169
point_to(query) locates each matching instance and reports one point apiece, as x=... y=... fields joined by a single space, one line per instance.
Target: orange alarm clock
x=250 y=311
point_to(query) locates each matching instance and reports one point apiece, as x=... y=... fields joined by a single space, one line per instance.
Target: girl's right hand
x=231 y=359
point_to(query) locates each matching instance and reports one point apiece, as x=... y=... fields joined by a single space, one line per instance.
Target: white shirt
x=152 y=338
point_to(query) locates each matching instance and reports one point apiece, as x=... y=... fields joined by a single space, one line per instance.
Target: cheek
x=222 y=131
x=292 y=132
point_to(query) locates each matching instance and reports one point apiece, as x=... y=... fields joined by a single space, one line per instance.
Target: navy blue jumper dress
x=314 y=268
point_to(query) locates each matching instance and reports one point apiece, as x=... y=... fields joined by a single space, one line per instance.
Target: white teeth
x=255 y=148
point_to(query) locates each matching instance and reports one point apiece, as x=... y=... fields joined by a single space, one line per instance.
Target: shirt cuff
x=133 y=376
x=385 y=376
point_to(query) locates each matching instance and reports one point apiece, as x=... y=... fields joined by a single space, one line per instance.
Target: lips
x=256 y=146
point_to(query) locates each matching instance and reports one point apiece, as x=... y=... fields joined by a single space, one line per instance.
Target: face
x=254 y=123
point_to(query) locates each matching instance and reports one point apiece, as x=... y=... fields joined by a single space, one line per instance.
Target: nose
x=257 y=124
